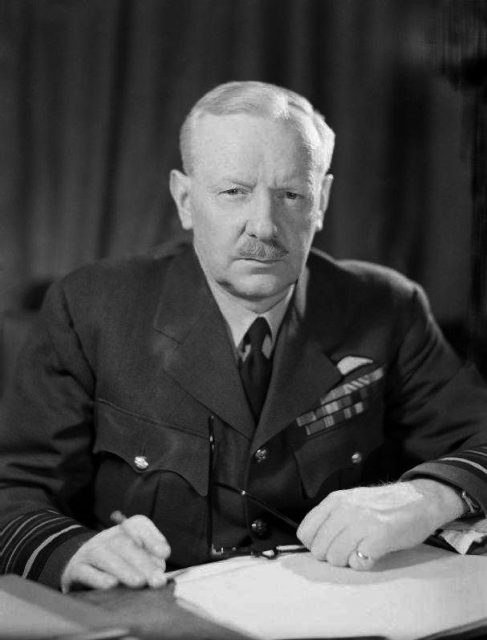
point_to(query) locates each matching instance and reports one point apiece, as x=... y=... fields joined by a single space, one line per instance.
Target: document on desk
x=408 y=595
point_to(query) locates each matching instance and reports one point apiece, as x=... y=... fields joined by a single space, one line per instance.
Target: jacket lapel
x=197 y=352
x=302 y=372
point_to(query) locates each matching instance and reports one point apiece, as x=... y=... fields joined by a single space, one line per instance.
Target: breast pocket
x=156 y=469
x=334 y=456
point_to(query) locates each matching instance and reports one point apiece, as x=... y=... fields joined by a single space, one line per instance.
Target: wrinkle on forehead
x=237 y=143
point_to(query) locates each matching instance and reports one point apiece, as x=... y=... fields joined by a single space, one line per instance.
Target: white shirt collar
x=238 y=319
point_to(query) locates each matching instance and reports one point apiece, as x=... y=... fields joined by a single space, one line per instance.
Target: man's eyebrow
x=297 y=179
x=224 y=180
x=285 y=182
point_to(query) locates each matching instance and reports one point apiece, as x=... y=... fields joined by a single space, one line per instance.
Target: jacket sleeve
x=437 y=407
x=46 y=433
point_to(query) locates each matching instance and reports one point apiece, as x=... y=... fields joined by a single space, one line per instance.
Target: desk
x=155 y=615
x=411 y=594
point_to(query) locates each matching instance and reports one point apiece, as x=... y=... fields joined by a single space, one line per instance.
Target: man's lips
x=260 y=260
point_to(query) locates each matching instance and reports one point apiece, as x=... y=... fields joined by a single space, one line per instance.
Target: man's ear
x=180 y=188
x=324 y=199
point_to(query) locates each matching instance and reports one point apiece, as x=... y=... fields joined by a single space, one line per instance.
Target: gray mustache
x=271 y=250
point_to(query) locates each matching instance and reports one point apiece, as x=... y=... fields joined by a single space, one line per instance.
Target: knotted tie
x=255 y=370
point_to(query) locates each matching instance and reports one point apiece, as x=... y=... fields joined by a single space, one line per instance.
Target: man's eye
x=234 y=191
x=291 y=195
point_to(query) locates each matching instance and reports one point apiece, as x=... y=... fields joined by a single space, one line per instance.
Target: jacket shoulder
x=105 y=291
x=115 y=277
x=360 y=278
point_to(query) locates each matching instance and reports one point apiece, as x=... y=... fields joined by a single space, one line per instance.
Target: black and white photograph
x=243 y=319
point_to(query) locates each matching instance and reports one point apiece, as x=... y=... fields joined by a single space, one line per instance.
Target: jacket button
x=261 y=454
x=356 y=458
x=259 y=527
x=141 y=462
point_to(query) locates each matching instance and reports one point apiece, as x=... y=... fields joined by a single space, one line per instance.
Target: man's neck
x=239 y=318
x=258 y=306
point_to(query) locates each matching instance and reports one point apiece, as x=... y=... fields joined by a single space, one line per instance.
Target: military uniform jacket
x=131 y=361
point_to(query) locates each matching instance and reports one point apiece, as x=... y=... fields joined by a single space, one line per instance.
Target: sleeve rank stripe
x=33 y=534
x=25 y=534
x=474 y=452
x=37 y=560
x=18 y=546
x=473 y=455
x=12 y=535
x=464 y=462
x=5 y=536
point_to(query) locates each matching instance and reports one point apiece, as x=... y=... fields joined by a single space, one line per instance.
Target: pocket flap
x=150 y=447
x=346 y=446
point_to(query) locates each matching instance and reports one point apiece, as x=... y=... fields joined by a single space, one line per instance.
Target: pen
x=242 y=492
x=117 y=517
x=101 y=634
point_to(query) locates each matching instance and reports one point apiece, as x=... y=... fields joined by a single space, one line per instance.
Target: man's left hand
x=356 y=527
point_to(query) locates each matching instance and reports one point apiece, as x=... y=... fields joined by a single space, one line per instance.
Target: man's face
x=254 y=200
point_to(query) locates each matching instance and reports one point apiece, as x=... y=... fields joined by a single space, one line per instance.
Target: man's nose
x=261 y=221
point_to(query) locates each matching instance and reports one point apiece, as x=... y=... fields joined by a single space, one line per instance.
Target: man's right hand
x=132 y=553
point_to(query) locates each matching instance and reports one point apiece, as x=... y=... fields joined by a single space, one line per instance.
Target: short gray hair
x=260 y=99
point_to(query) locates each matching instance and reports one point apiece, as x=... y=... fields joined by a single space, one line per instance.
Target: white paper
x=461 y=534
x=409 y=594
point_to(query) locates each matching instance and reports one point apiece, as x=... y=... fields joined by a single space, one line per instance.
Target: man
x=216 y=396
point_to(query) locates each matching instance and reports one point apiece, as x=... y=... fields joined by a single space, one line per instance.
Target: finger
x=311 y=523
x=145 y=533
x=342 y=546
x=361 y=561
x=88 y=576
x=151 y=567
x=324 y=539
x=378 y=540
x=326 y=533
x=109 y=560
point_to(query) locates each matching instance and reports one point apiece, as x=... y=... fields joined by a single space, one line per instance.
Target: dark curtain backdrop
x=93 y=93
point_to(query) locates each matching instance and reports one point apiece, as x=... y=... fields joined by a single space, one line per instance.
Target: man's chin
x=259 y=288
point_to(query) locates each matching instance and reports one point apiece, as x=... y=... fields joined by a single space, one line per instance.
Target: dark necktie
x=255 y=370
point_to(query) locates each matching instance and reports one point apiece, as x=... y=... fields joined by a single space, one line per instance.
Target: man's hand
x=356 y=527
x=132 y=553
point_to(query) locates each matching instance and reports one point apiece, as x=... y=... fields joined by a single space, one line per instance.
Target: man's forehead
x=224 y=125
x=244 y=136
